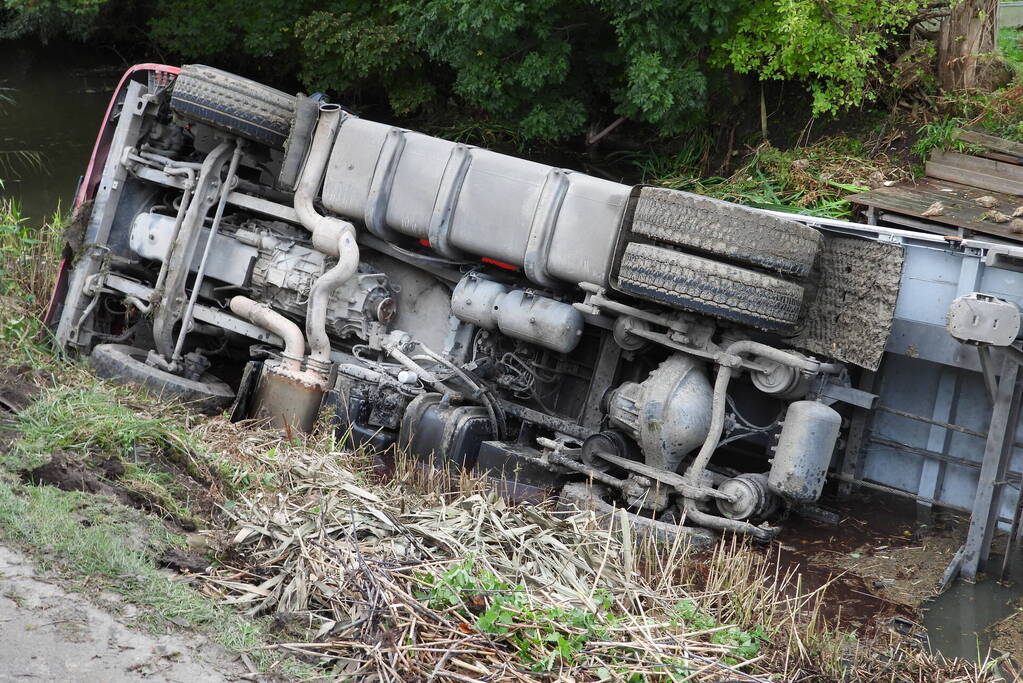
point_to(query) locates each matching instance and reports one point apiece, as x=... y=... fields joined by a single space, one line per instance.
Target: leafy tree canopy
x=546 y=69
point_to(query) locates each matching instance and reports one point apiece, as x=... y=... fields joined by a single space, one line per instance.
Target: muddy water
x=959 y=622
x=879 y=581
x=59 y=94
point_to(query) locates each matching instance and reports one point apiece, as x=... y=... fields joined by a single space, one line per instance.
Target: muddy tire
x=582 y=496
x=234 y=104
x=727 y=231
x=710 y=287
x=127 y=365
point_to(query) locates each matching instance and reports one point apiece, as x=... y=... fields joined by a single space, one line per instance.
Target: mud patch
x=19 y=386
x=184 y=562
x=199 y=489
x=50 y=634
x=1008 y=634
x=855 y=302
x=907 y=574
x=67 y=473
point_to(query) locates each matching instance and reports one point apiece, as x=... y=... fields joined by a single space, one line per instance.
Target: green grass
x=547 y=638
x=942 y=134
x=1011 y=49
x=28 y=264
x=97 y=544
x=96 y=420
x=810 y=180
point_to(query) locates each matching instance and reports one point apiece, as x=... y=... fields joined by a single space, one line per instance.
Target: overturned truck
x=680 y=357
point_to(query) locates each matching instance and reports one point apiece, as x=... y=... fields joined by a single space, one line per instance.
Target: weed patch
x=811 y=180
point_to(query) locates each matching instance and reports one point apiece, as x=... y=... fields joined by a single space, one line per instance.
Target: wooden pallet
x=962 y=214
x=957 y=180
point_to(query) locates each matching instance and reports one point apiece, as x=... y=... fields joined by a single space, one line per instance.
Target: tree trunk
x=968 y=31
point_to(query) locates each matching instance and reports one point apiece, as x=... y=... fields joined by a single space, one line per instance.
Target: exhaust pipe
x=263 y=316
x=332 y=236
x=287 y=395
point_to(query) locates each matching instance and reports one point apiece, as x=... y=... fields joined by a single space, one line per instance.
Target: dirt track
x=50 y=634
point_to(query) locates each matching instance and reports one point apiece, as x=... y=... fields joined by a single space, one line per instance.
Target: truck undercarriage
x=701 y=364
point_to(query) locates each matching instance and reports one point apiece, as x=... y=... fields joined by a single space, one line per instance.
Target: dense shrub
x=833 y=47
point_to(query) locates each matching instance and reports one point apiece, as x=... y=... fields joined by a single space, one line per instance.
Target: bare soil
x=1009 y=634
x=68 y=473
x=18 y=387
x=50 y=634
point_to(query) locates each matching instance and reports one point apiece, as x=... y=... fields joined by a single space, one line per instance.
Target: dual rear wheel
x=716 y=258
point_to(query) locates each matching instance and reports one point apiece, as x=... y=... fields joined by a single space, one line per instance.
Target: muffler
x=287 y=395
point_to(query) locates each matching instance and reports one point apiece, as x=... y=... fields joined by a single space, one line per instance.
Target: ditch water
x=861 y=555
x=55 y=98
x=959 y=621
x=59 y=95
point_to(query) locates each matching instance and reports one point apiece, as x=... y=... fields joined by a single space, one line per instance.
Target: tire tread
x=710 y=287
x=235 y=104
x=726 y=230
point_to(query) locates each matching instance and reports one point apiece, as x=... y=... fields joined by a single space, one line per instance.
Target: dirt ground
x=904 y=570
x=50 y=634
x=1009 y=633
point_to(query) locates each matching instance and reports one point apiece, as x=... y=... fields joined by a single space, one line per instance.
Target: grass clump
x=1010 y=47
x=28 y=265
x=93 y=422
x=811 y=180
x=99 y=418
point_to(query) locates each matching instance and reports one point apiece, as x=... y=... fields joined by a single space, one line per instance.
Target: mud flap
x=852 y=312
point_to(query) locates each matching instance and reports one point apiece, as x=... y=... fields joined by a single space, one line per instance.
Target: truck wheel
x=237 y=105
x=127 y=365
x=730 y=231
x=710 y=287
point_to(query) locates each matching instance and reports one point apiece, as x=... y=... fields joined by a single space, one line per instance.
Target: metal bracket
x=855 y=397
x=997 y=453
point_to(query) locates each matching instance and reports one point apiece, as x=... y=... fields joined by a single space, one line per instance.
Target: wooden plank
x=968 y=162
x=998 y=156
x=961 y=210
x=995 y=144
x=979 y=179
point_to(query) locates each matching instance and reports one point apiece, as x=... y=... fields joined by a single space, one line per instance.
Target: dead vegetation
x=418 y=576
x=813 y=179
